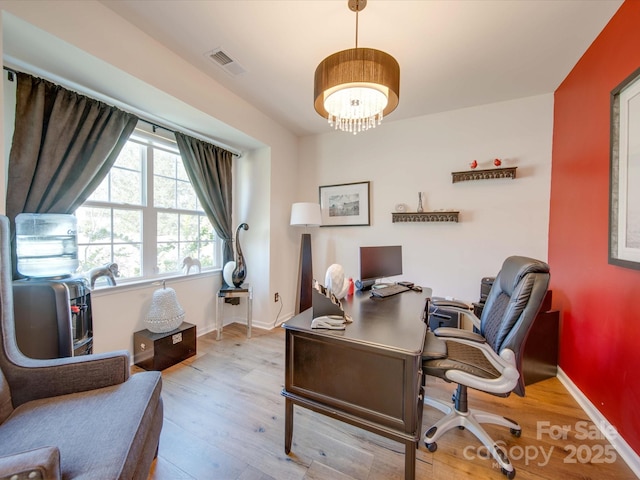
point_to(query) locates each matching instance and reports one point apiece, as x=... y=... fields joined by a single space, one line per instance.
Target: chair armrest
x=449 y=302
x=458 y=333
x=505 y=363
x=41 y=463
x=32 y=379
x=457 y=306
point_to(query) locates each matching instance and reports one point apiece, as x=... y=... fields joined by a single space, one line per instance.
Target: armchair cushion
x=97 y=432
x=6 y=407
x=40 y=463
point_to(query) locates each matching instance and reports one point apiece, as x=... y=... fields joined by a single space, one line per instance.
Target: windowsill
x=105 y=290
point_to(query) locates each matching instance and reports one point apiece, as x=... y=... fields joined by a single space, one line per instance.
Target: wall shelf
x=507 y=172
x=448 y=216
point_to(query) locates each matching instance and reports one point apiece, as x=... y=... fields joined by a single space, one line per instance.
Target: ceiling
x=452 y=53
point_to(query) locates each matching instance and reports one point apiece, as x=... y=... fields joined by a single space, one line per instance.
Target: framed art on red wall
x=624 y=189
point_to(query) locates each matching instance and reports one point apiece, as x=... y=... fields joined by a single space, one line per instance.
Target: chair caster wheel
x=515 y=432
x=510 y=475
x=432 y=447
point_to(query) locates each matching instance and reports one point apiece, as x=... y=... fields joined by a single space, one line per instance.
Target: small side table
x=225 y=292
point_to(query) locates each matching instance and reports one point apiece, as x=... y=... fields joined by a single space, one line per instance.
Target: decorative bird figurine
x=497 y=162
x=474 y=164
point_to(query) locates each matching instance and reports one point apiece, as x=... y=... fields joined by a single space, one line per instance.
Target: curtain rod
x=154 y=125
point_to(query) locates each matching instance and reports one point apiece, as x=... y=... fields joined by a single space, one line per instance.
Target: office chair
x=490 y=360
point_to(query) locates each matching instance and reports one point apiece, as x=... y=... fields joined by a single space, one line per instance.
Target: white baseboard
x=630 y=457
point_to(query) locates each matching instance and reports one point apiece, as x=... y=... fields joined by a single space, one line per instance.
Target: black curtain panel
x=63 y=147
x=209 y=169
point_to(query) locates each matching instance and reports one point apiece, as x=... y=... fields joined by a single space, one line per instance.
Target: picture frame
x=624 y=177
x=345 y=205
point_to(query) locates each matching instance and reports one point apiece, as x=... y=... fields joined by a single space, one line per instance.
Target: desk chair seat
x=490 y=360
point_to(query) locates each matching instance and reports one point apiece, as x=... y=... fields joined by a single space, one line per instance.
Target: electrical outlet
x=276 y=297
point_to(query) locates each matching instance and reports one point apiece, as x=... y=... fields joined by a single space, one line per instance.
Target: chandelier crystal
x=355 y=89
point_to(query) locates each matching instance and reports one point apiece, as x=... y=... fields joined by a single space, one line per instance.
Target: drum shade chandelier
x=354 y=89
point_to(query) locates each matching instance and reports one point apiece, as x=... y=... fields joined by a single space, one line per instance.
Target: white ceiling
x=452 y=53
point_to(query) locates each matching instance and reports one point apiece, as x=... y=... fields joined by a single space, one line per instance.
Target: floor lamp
x=307 y=215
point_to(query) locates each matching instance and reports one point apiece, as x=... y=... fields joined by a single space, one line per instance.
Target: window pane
x=168 y=227
x=128 y=256
x=167 y=257
x=126 y=186
x=189 y=249
x=94 y=225
x=206 y=254
x=181 y=172
x=186 y=196
x=127 y=226
x=131 y=157
x=188 y=227
x=101 y=194
x=91 y=256
x=164 y=163
x=164 y=192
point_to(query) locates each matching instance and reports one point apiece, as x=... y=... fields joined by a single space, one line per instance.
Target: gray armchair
x=73 y=418
x=490 y=360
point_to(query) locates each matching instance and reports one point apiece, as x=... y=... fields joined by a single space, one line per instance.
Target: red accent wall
x=600 y=303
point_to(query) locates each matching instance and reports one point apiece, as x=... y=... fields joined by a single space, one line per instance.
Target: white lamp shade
x=306 y=214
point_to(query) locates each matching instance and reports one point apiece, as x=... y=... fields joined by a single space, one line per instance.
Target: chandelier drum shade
x=355 y=89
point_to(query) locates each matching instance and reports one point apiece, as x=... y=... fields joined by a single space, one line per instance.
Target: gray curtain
x=209 y=169
x=63 y=146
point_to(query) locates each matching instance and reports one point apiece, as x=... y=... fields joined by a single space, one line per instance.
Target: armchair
x=73 y=418
x=490 y=360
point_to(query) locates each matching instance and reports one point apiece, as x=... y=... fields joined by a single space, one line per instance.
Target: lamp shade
x=306 y=214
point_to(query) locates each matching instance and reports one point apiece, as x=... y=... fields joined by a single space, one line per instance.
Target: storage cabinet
x=157 y=351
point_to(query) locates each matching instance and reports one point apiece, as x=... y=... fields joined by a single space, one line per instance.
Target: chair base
x=471 y=420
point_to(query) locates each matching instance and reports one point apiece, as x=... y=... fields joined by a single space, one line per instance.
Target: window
x=145 y=216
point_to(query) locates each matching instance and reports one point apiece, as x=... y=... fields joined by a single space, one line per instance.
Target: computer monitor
x=379 y=262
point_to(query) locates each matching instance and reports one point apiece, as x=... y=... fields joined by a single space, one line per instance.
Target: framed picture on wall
x=345 y=205
x=624 y=189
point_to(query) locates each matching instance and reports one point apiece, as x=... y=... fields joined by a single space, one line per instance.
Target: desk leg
x=288 y=425
x=219 y=308
x=410 y=460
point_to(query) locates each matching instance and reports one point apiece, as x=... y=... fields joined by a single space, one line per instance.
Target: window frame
x=150 y=139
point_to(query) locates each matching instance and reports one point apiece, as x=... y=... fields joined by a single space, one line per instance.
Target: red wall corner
x=600 y=337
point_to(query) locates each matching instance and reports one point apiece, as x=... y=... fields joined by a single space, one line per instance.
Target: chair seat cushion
x=99 y=433
x=460 y=357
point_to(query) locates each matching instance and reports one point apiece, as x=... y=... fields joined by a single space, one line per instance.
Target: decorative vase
x=419 y=209
x=227 y=272
x=240 y=272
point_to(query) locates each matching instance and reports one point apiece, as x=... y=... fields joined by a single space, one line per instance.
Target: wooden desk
x=368 y=375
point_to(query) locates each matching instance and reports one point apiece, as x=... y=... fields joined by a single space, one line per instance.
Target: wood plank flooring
x=224 y=419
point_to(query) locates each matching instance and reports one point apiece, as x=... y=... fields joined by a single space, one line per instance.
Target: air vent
x=225 y=61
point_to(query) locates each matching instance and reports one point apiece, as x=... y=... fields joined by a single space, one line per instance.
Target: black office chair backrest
x=512 y=305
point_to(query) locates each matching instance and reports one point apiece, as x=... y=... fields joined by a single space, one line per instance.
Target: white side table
x=225 y=292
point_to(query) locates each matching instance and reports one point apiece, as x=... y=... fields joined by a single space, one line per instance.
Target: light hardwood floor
x=224 y=419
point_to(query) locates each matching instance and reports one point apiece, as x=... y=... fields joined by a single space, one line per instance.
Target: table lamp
x=307 y=215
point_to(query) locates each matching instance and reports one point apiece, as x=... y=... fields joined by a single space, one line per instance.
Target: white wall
x=497 y=217
x=57 y=39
